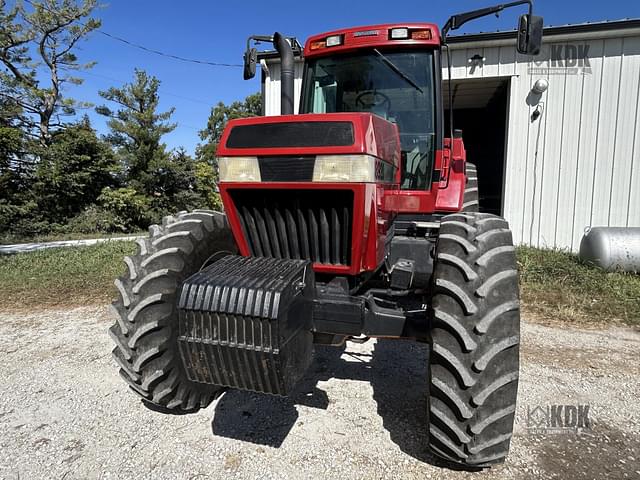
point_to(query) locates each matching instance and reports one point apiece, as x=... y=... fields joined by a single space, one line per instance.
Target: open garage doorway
x=480 y=107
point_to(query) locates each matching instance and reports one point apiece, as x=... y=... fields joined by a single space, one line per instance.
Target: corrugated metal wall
x=578 y=165
x=272 y=87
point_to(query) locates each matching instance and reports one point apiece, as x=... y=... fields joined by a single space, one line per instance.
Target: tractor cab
x=393 y=75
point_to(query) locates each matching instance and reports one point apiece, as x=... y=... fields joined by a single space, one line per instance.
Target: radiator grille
x=297 y=224
x=286 y=169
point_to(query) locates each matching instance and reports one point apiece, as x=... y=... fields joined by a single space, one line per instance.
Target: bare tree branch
x=50 y=32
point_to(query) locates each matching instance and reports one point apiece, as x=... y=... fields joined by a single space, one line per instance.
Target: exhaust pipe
x=286 y=73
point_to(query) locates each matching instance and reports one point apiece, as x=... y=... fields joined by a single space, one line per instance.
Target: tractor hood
x=311 y=187
x=312 y=134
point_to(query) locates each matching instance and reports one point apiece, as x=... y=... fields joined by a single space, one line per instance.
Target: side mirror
x=529 y=34
x=250 y=60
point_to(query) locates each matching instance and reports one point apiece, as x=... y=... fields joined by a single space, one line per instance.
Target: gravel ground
x=360 y=412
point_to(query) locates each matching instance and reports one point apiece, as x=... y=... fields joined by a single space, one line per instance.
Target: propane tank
x=612 y=248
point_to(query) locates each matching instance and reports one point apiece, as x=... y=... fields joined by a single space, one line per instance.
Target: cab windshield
x=395 y=85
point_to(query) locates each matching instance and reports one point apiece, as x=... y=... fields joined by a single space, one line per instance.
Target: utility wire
x=168 y=55
x=91 y=73
x=142 y=47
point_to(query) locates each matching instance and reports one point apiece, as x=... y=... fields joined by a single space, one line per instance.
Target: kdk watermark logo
x=558 y=419
x=568 y=59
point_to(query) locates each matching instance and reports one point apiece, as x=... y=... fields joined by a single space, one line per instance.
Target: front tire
x=145 y=332
x=475 y=336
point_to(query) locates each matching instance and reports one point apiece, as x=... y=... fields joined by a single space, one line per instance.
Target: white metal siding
x=499 y=62
x=578 y=165
x=272 y=87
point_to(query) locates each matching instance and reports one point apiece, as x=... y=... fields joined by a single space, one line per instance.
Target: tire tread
x=475 y=336
x=145 y=330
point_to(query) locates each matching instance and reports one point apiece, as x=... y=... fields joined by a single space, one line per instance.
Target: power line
x=160 y=90
x=168 y=55
x=143 y=48
x=179 y=125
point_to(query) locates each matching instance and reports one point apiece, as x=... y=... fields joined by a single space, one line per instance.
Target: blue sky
x=217 y=30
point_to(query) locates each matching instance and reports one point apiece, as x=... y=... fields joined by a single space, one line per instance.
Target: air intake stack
x=286 y=73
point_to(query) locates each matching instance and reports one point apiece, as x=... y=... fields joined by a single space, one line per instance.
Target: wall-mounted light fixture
x=540 y=86
x=476 y=61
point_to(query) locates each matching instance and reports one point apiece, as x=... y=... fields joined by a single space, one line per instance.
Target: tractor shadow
x=396 y=371
x=266 y=419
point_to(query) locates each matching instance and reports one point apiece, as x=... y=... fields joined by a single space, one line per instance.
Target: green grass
x=61 y=276
x=556 y=286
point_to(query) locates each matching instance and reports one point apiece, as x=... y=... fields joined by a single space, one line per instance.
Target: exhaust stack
x=283 y=47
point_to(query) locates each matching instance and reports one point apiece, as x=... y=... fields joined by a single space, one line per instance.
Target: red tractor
x=356 y=218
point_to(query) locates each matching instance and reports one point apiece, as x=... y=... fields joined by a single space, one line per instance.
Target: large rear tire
x=474 y=338
x=145 y=332
x=471 y=202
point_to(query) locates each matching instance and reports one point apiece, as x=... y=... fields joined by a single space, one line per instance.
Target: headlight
x=239 y=169
x=345 y=168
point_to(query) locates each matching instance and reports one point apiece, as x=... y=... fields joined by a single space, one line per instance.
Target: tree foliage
x=168 y=181
x=58 y=176
x=16 y=168
x=136 y=129
x=37 y=51
x=205 y=184
x=126 y=209
x=12 y=139
x=207 y=168
x=72 y=172
x=218 y=118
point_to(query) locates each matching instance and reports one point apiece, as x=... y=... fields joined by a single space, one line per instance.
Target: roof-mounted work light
x=333 y=41
x=399 y=33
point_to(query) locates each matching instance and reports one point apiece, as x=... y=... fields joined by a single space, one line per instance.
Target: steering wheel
x=375 y=95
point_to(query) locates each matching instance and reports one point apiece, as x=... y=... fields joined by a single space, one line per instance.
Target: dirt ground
x=359 y=413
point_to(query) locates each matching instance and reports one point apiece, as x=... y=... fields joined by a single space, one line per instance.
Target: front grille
x=286 y=169
x=297 y=224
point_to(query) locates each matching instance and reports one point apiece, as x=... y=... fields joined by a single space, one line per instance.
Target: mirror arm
x=250 y=55
x=258 y=39
x=456 y=21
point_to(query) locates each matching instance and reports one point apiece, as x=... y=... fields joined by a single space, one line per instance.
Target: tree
x=72 y=172
x=12 y=141
x=169 y=181
x=37 y=41
x=174 y=187
x=122 y=209
x=220 y=115
x=137 y=129
x=16 y=169
x=205 y=184
x=207 y=168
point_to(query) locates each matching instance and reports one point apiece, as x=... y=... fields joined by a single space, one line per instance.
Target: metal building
x=552 y=163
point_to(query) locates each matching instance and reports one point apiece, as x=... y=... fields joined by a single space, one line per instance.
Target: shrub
x=94 y=219
x=129 y=210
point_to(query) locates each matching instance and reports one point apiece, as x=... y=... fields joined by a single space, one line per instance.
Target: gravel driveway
x=360 y=412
